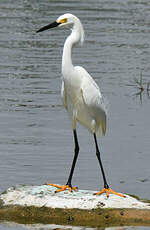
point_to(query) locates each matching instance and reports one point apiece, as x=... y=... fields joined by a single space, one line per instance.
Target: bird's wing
x=63 y=95
x=93 y=99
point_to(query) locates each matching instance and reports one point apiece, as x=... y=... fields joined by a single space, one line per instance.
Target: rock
x=40 y=204
x=44 y=195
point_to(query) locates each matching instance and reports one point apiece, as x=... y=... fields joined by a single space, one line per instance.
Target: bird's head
x=66 y=20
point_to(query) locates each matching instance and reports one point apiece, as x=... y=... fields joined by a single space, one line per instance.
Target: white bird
x=81 y=96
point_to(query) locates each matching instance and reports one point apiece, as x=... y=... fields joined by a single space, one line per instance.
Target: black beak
x=49 y=26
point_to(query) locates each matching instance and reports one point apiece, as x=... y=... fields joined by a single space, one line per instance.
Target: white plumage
x=81 y=96
x=83 y=100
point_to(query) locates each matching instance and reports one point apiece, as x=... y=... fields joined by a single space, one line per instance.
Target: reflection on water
x=35 y=139
x=143 y=88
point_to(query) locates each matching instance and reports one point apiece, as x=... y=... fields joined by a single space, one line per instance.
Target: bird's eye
x=64 y=20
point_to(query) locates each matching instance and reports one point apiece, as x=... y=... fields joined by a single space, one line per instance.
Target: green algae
x=91 y=218
x=138 y=198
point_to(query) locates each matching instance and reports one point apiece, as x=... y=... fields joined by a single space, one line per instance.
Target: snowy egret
x=81 y=97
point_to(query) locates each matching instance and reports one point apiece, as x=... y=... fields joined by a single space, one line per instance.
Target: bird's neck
x=67 y=51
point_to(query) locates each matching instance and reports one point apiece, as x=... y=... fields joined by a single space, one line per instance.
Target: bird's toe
x=108 y=191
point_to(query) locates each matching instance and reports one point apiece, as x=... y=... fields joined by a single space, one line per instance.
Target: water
x=36 y=144
x=6 y=226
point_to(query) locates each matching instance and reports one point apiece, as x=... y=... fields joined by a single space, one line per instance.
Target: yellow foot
x=63 y=187
x=108 y=190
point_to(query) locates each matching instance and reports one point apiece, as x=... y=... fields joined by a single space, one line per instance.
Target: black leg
x=100 y=162
x=76 y=152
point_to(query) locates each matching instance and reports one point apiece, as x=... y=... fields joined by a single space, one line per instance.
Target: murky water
x=36 y=144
